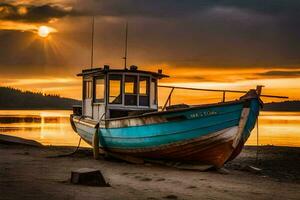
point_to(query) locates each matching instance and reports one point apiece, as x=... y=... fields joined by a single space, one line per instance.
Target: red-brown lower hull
x=214 y=150
x=215 y=155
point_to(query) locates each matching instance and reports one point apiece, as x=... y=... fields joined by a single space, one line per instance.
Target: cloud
x=45 y=10
x=192 y=40
x=280 y=73
x=32 y=13
x=206 y=34
x=215 y=33
x=179 y=8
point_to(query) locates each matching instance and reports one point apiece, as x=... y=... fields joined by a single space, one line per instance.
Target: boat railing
x=258 y=89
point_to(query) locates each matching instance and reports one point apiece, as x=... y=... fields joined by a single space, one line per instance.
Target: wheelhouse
x=112 y=93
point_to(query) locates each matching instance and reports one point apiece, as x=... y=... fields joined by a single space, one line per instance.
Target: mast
x=92 y=50
x=125 y=53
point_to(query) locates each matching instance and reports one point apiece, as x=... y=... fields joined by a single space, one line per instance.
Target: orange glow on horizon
x=47 y=50
x=71 y=87
x=27 y=27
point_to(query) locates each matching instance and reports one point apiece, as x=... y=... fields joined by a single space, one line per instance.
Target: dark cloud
x=221 y=34
x=32 y=13
x=147 y=8
x=224 y=33
x=281 y=73
x=141 y=8
x=179 y=8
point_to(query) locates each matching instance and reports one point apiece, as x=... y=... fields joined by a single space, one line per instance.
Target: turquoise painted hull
x=187 y=125
x=212 y=134
x=170 y=132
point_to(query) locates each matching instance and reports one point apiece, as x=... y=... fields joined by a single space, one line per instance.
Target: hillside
x=282 y=106
x=11 y=98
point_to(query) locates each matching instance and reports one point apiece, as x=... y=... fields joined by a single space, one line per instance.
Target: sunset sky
x=232 y=44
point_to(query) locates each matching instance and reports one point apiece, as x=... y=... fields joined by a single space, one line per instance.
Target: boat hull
x=209 y=134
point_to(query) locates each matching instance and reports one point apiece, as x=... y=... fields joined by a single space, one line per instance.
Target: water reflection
x=277 y=128
x=52 y=127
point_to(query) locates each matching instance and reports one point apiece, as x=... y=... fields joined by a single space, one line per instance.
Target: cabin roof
x=98 y=71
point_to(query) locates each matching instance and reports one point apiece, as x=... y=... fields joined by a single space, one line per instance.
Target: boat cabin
x=112 y=93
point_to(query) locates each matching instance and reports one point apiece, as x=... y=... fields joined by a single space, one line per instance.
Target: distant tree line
x=282 y=106
x=11 y=98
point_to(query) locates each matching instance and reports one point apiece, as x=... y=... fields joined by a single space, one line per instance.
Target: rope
x=72 y=153
x=69 y=154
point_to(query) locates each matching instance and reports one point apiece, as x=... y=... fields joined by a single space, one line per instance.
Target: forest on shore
x=282 y=106
x=11 y=98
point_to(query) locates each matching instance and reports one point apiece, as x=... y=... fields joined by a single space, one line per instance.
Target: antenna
x=92 y=53
x=126 y=38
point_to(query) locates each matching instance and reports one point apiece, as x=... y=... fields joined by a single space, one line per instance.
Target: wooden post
x=126 y=39
x=92 y=53
x=258 y=89
x=224 y=92
x=168 y=99
x=96 y=144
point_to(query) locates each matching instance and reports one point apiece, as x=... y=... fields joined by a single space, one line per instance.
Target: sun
x=44 y=31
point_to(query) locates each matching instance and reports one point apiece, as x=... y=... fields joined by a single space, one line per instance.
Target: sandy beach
x=28 y=173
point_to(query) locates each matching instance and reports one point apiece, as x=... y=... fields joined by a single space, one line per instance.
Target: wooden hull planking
x=209 y=135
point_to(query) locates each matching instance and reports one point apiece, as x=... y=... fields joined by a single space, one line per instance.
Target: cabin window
x=131 y=90
x=154 y=91
x=87 y=89
x=115 y=89
x=99 y=89
x=144 y=91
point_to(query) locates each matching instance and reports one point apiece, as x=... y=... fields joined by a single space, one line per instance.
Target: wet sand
x=27 y=173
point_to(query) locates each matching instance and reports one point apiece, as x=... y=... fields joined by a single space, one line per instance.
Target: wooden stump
x=88 y=176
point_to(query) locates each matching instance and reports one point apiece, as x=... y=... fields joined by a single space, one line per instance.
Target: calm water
x=52 y=127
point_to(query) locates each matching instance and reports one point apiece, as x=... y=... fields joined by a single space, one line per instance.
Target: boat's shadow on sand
x=280 y=163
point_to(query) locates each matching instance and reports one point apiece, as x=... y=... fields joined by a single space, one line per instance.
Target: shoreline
x=27 y=172
x=51 y=108
x=35 y=109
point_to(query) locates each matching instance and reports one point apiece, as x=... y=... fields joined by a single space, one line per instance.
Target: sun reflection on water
x=277 y=128
x=52 y=127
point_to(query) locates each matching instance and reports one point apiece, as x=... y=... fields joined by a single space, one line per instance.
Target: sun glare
x=43 y=31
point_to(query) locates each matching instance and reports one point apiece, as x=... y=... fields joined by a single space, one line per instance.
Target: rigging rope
x=257 y=141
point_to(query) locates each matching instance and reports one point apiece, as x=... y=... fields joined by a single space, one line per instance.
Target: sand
x=27 y=173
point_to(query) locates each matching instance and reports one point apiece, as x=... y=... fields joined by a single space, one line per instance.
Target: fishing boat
x=120 y=115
